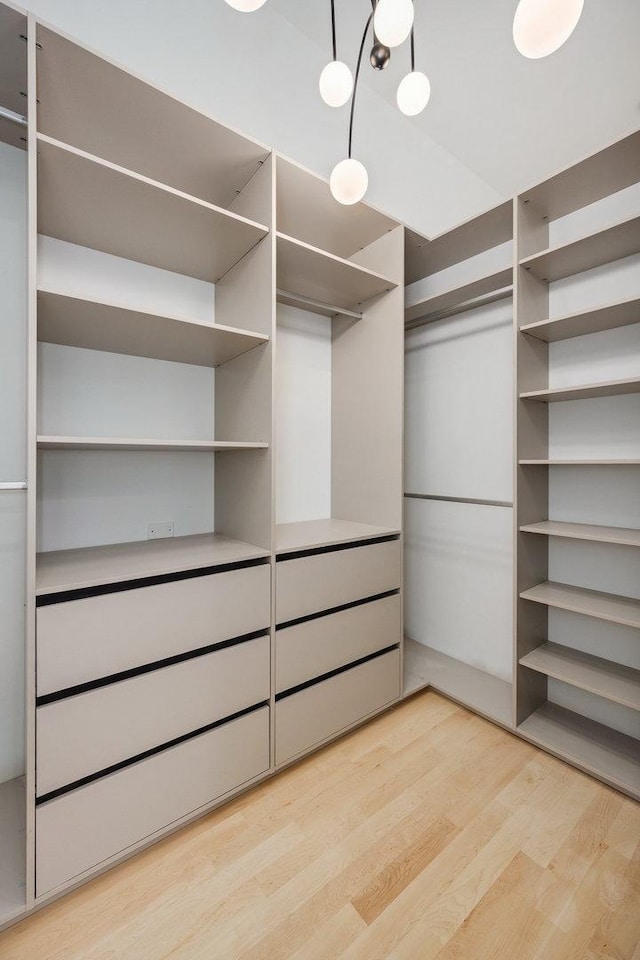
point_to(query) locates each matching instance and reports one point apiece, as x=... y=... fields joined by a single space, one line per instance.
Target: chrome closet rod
x=13 y=485
x=13 y=116
x=478 y=500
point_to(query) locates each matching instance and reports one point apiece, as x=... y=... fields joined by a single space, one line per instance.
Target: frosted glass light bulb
x=413 y=94
x=392 y=21
x=540 y=27
x=349 y=181
x=246 y=6
x=336 y=83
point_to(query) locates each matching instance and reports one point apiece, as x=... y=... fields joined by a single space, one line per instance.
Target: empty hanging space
x=338 y=469
x=578 y=447
x=458 y=476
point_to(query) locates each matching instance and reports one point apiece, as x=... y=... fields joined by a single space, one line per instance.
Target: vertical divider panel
x=32 y=372
x=531 y=483
x=244 y=386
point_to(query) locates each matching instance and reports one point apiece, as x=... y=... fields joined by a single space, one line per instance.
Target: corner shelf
x=607 y=679
x=494 y=286
x=590 y=603
x=96 y=325
x=608 y=388
x=604 y=246
x=91 y=202
x=473 y=688
x=125 y=443
x=316 y=274
x=593 y=747
x=609 y=317
x=310 y=534
x=62 y=570
x=624 y=536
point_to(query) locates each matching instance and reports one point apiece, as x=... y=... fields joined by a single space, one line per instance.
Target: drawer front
x=326 y=708
x=324 y=580
x=79 y=830
x=309 y=649
x=90 y=732
x=82 y=640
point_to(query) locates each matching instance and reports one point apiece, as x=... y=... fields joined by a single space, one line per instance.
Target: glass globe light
x=336 y=83
x=413 y=94
x=392 y=21
x=246 y=6
x=540 y=27
x=349 y=181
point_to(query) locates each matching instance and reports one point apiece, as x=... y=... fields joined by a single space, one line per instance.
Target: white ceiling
x=496 y=122
x=510 y=120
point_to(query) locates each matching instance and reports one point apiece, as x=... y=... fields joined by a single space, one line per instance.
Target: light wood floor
x=429 y=833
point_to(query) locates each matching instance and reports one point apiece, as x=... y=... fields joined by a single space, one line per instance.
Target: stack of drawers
x=152 y=703
x=338 y=630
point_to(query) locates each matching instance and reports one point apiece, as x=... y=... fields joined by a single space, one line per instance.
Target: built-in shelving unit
x=114 y=328
x=624 y=536
x=545 y=666
x=125 y=443
x=487 y=289
x=485 y=694
x=64 y=570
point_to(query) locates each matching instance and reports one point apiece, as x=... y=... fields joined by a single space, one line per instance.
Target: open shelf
x=12 y=849
x=613 y=681
x=309 y=534
x=94 y=325
x=91 y=202
x=604 y=246
x=602 y=462
x=612 y=756
x=126 y=443
x=625 y=536
x=424 y=257
x=607 y=388
x=314 y=273
x=590 y=603
x=620 y=314
x=63 y=570
x=138 y=127
x=13 y=75
x=473 y=688
x=603 y=173
x=307 y=210
x=493 y=286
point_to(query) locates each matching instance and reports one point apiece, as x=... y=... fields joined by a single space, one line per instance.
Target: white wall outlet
x=160 y=530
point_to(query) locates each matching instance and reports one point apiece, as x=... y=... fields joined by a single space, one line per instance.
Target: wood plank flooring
x=429 y=833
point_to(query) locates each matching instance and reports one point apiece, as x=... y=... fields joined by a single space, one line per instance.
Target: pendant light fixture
x=392 y=21
x=336 y=82
x=414 y=90
x=246 y=6
x=540 y=27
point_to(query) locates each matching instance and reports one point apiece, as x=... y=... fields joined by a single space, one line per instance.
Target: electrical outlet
x=158 y=531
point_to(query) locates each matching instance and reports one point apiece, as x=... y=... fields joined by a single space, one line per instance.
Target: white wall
x=12 y=456
x=303 y=415
x=458 y=442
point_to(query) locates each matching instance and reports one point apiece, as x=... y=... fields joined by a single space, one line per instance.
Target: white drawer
x=81 y=829
x=82 y=640
x=310 y=649
x=324 y=709
x=89 y=732
x=325 y=580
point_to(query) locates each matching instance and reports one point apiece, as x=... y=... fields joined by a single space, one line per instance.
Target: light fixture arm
x=413 y=52
x=355 y=82
x=333 y=29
